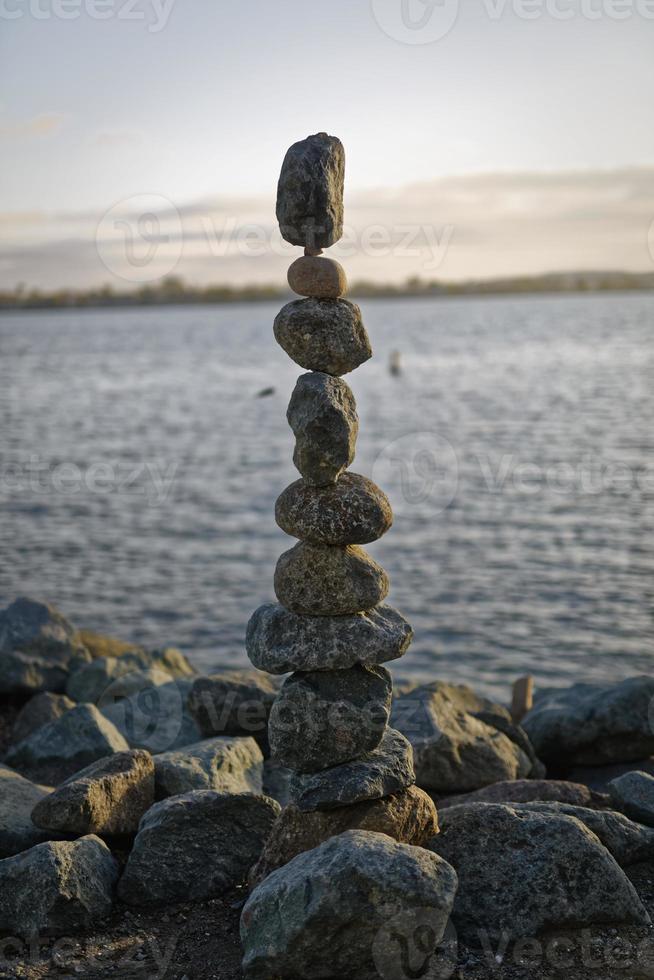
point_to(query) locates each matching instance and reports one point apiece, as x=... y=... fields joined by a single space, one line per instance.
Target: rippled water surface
x=140 y=469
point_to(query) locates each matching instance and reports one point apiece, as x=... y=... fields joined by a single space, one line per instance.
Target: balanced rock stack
x=330 y=630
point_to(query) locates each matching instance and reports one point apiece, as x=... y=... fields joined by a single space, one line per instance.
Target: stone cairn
x=330 y=629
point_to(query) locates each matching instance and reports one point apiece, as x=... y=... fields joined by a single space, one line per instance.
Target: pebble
x=317 y=276
x=310 y=192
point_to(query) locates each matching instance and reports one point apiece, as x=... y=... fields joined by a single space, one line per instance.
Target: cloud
x=45 y=124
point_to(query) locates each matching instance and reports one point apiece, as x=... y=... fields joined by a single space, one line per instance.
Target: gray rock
x=633 y=794
x=233 y=702
x=37 y=629
x=455 y=752
x=593 y=724
x=527 y=791
x=39 y=710
x=352 y=511
x=18 y=797
x=389 y=769
x=108 y=797
x=279 y=641
x=335 y=911
x=323 y=416
x=316 y=581
x=628 y=842
x=310 y=192
x=521 y=872
x=78 y=738
x=325 y=718
x=323 y=335
x=22 y=673
x=227 y=765
x=149 y=714
x=57 y=888
x=91 y=682
x=194 y=846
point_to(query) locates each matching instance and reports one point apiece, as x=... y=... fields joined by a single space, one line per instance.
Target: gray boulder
x=233 y=702
x=195 y=846
x=521 y=872
x=37 y=646
x=388 y=769
x=57 y=888
x=227 y=765
x=323 y=416
x=78 y=738
x=310 y=192
x=335 y=911
x=527 y=791
x=327 y=717
x=108 y=797
x=352 y=511
x=280 y=641
x=38 y=711
x=91 y=681
x=23 y=673
x=633 y=794
x=593 y=724
x=325 y=335
x=316 y=581
x=454 y=750
x=18 y=797
x=149 y=710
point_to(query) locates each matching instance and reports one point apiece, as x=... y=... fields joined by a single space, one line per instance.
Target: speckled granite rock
x=323 y=335
x=39 y=710
x=409 y=817
x=108 y=797
x=328 y=717
x=280 y=641
x=316 y=581
x=310 y=192
x=18 y=797
x=633 y=794
x=387 y=770
x=227 y=765
x=322 y=414
x=333 y=911
x=352 y=511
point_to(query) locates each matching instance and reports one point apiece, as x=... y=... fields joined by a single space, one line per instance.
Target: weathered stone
x=102 y=645
x=23 y=673
x=521 y=872
x=92 y=681
x=57 y=888
x=279 y=641
x=195 y=845
x=18 y=797
x=317 y=276
x=526 y=791
x=227 y=765
x=409 y=817
x=324 y=718
x=352 y=511
x=108 y=797
x=633 y=794
x=322 y=414
x=313 y=580
x=37 y=629
x=233 y=702
x=593 y=724
x=310 y=192
x=454 y=751
x=388 y=769
x=149 y=714
x=78 y=738
x=39 y=710
x=335 y=911
x=323 y=335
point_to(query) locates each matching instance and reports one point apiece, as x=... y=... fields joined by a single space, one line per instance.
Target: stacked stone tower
x=330 y=630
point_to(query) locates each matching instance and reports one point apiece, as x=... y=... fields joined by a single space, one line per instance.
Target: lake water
x=139 y=471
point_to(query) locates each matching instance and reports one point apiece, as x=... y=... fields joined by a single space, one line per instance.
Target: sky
x=483 y=138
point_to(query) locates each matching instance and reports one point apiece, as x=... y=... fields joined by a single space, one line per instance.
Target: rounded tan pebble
x=317 y=276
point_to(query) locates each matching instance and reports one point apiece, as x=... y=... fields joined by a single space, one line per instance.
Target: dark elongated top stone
x=323 y=334
x=310 y=192
x=322 y=414
x=352 y=511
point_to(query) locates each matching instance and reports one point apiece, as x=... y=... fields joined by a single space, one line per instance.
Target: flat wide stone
x=227 y=765
x=316 y=581
x=328 y=717
x=323 y=335
x=310 y=192
x=280 y=641
x=352 y=511
x=322 y=414
x=387 y=770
